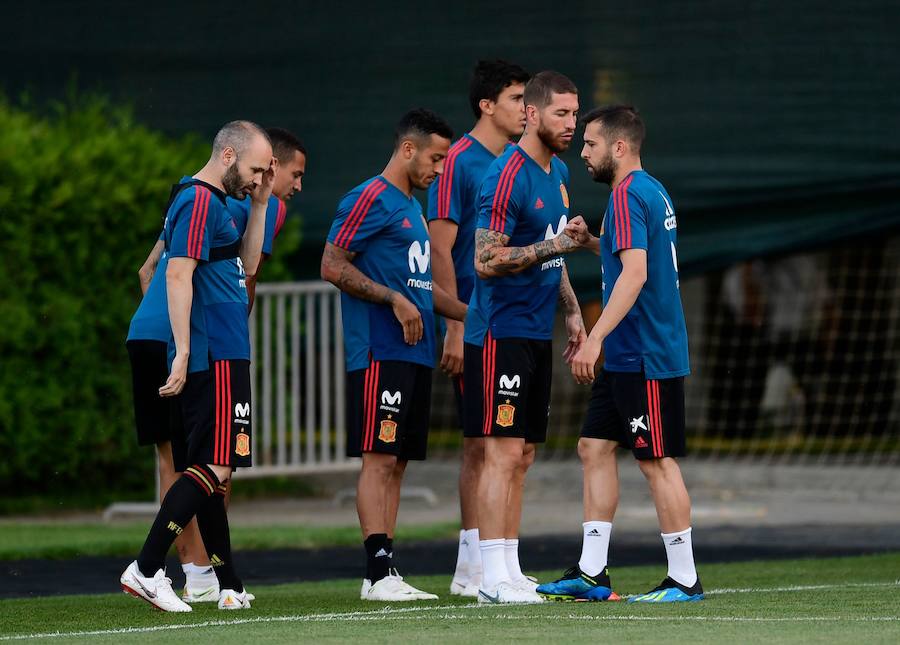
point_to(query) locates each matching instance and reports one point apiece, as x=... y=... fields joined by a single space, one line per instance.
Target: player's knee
x=528 y=455
x=473 y=452
x=223 y=473
x=595 y=453
x=379 y=465
x=656 y=469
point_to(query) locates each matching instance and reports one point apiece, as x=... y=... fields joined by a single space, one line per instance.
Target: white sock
x=680 y=552
x=493 y=561
x=462 y=558
x=511 y=551
x=473 y=559
x=193 y=571
x=594 y=547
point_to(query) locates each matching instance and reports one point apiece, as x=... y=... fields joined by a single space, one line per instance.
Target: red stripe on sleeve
x=198 y=222
x=626 y=213
x=504 y=191
x=279 y=219
x=359 y=212
x=445 y=187
x=617 y=202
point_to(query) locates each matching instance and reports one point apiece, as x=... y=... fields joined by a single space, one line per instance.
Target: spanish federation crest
x=388 y=431
x=564 y=193
x=242 y=444
x=506 y=414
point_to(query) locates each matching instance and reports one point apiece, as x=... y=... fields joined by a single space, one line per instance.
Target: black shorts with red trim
x=211 y=418
x=645 y=415
x=517 y=377
x=472 y=392
x=149 y=372
x=389 y=409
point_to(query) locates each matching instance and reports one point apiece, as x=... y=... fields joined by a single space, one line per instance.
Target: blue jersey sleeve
x=445 y=196
x=627 y=220
x=189 y=225
x=275 y=214
x=360 y=216
x=502 y=197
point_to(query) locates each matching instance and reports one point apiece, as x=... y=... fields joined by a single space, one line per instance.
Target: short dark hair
x=490 y=78
x=619 y=122
x=420 y=124
x=237 y=135
x=284 y=144
x=540 y=89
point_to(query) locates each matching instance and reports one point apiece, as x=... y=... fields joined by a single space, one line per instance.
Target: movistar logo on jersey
x=670 y=222
x=390 y=401
x=241 y=412
x=550 y=233
x=419 y=260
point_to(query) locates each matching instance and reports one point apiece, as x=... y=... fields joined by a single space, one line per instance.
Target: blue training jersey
x=276 y=211
x=522 y=201
x=151 y=320
x=386 y=230
x=199 y=226
x=652 y=337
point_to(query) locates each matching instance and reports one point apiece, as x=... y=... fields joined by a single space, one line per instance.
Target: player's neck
x=396 y=174
x=211 y=176
x=535 y=148
x=488 y=135
x=624 y=170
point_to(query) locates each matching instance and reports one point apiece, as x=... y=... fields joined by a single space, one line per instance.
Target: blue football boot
x=671 y=591
x=575 y=585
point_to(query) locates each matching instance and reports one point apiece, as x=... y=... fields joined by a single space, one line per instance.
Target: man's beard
x=549 y=140
x=605 y=171
x=231 y=182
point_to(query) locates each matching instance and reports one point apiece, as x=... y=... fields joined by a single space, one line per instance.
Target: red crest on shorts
x=242 y=444
x=388 y=431
x=506 y=415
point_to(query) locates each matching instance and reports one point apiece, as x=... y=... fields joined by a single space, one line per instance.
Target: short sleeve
x=275 y=215
x=445 y=196
x=190 y=237
x=502 y=197
x=359 y=216
x=628 y=219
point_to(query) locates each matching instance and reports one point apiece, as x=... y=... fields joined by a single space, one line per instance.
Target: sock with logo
x=189 y=492
x=473 y=557
x=594 y=547
x=212 y=520
x=462 y=559
x=511 y=555
x=391 y=555
x=680 y=552
x=195 y=573
x=378 y=554
x=493 y=562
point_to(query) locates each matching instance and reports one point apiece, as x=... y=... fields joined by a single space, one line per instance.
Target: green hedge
x=82 y=187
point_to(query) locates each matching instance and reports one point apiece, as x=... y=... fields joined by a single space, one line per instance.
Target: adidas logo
x=539 y=203
x=593 y=533
x=382 y=554
x=215 y=560
x=640 y=443
x=406 y=223
x=676 y=541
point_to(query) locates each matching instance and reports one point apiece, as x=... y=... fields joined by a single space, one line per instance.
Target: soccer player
x=523 y=210
x=637 y=400
x=207 y=304
x=149 y=333
x=495 y=96
x=379 y=254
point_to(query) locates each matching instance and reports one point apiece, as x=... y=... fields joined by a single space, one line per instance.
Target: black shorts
x=517 y=377
x=645 y=415
x=389 y=409
x=211 y=418
x=472 y=392
x=149 y=372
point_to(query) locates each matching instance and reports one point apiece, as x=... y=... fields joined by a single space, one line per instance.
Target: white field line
x=411 y=613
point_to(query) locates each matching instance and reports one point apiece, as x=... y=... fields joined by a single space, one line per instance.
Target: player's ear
x=228 y=156
x=487 y=106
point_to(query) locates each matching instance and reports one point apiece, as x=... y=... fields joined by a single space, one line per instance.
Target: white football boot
x=231 y=599
x=156 y=590
x=508 y=593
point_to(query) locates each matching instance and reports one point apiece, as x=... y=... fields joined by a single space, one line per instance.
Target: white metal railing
x=297 y=380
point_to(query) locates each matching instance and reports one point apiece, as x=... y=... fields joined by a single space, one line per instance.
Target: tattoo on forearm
x=353 y=281
x=567 y=296
x=492 y=256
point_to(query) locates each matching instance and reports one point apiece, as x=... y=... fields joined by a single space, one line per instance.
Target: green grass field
x=20 y=540
x=831 y=601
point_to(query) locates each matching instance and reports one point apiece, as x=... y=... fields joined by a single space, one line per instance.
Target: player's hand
x=577 y=229
x=452 y=356
x=177 y=377
x=585 y=360
x=260 y=194
x=577 y=335
x=410 y=319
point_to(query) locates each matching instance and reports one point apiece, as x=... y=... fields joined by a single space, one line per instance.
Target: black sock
x=378 y=556
x=189 y=492
x=390 y=549
x=212 y=520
